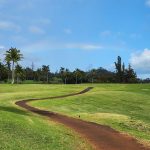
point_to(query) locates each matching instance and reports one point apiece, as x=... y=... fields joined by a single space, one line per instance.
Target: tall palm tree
x=13 y=55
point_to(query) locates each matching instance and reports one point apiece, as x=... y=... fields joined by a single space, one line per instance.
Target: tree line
x=12 y=72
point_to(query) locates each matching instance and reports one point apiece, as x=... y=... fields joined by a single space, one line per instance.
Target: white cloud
x=2 y=47
x=25 y=5
x=106 y=33
x=147 y=3
x=2 y=51
x=135 y=36
x=49 y=45
x=144 y=76
x=42 y=45
x=6 y=25
x=83 y=46
x=20 y=38
x=36 y=30
x=44 y=21
x=68 y=31
x=141 y=61
x=113 y=35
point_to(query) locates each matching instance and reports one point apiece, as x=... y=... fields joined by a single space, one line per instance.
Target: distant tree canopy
x=12 y=71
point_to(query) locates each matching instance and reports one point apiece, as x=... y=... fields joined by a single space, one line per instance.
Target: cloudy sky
x=78 y=33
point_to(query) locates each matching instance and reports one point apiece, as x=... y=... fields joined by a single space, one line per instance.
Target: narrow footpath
x=101 y=137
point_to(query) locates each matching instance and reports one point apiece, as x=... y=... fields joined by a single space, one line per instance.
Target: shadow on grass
x=13 y=110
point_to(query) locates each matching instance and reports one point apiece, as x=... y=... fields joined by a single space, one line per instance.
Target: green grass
x=123 y=107
x=22 y=130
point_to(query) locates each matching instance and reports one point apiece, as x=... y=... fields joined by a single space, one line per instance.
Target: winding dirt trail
x=101 y=137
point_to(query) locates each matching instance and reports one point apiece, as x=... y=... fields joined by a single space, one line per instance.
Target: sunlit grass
x=123 y=107
x=22 y=130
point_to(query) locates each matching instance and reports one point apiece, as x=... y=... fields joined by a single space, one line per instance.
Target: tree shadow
x=13 y=110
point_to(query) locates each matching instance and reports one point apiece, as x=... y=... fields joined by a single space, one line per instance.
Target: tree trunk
x=17 y=80
x=92 y=80
x=47 y=77
x=13 y=74
x=8 y=77
x=65 y=80
x=76 y=79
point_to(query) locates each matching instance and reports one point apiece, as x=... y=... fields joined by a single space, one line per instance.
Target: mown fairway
x=123 y=107
x=22 y=130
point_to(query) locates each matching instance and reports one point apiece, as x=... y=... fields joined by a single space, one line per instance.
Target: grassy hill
x=22 y=130
x=123 y=107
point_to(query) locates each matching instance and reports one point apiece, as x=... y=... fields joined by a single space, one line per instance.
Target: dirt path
x=101 y=137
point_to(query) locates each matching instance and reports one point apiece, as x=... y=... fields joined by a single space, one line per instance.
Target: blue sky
x=78 y=33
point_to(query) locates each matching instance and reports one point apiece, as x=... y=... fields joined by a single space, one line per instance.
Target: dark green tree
x=130 y=75
x=8 y=64
x=120 y=70
x=20 y=75
x=39 y=74
x=28 y=73
x=78 y=75
x=46 y=70
x=3 y=72
x=64 y=74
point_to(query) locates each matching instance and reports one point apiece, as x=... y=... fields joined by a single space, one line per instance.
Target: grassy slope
x=21 y=130
x=123 y=107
